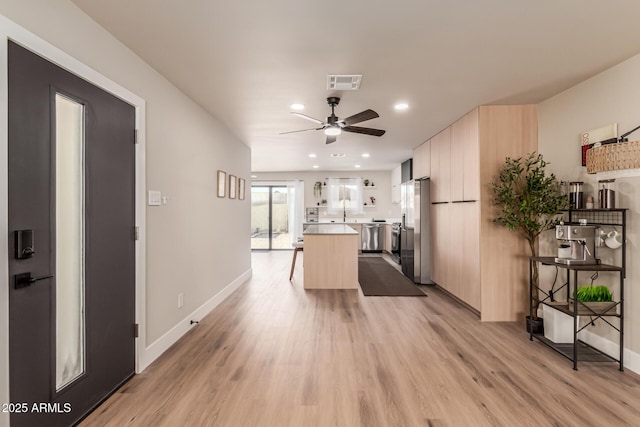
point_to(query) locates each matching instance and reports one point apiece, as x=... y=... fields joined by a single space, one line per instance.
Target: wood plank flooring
x=275 y=355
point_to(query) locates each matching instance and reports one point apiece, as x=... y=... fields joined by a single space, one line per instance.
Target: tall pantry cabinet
x=481 y=263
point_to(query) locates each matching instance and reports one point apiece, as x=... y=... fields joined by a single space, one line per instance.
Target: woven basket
x=612 y=157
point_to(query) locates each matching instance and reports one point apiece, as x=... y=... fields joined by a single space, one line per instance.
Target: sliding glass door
x=270 y=222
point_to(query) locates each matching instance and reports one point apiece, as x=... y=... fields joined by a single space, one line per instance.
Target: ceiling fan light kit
x=333 y=130
x=333 y=126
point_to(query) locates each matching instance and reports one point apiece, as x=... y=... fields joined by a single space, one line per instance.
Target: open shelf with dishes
x=607 y=312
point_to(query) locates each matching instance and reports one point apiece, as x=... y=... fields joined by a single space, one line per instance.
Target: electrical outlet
x=180 y=300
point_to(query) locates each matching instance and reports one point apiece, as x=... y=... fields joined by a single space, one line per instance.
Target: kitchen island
x=330 y=257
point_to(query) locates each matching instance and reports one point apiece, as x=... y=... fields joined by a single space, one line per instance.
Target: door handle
x=23 y=280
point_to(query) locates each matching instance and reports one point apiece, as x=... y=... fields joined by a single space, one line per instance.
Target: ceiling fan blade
x=301 y=130
x=364 y=131
x=360 y=117
x=304 y=116
x=331 y=139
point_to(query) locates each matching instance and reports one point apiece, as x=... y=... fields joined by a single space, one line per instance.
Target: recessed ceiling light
x=365 y=155
x=357 y=166
x=254 y=176
x=312 y=155
x=297 y=106
x=401 y=106
x=315 y=166
x=337 y=155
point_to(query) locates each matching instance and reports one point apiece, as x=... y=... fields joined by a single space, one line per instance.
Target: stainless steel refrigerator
x=415 y=247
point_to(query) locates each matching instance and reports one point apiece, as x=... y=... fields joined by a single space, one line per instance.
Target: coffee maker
x=577 y=244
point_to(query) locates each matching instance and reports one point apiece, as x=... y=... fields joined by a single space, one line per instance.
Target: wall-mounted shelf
x=365 y=206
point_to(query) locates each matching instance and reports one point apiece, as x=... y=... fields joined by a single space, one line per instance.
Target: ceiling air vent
x=344 y=82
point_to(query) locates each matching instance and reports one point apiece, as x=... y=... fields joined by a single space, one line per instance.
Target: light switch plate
x=155 y=198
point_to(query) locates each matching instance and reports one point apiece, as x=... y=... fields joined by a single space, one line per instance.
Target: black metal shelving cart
x=579 y=350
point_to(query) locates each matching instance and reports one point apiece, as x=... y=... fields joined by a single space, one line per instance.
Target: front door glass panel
x=70 y=247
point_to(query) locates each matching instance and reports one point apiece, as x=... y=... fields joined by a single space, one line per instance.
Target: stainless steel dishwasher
x=372 y=235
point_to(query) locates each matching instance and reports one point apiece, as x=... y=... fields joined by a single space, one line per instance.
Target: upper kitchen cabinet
x=441 y=167
x=396 y=180
x=465 y=157
x=422 y=161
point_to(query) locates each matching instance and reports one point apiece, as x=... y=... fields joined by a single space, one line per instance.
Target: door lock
x=23 y=280
x=24 y=244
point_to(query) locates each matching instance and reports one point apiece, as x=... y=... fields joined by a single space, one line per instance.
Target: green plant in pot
x=594 y=300
x=594 y=294
x=530 y=202
x=317 y=189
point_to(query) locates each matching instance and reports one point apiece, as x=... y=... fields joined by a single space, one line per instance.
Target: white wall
x=610 y=97
x=184 y=148
x=382 y=191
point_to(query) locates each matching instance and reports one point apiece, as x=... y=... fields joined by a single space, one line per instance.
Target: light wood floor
x=275 y=355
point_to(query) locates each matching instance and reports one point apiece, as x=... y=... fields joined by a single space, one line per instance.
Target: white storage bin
x=558 y=326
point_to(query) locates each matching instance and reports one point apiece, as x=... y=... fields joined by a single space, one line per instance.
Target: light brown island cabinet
x=330 y=257
x=479 y=262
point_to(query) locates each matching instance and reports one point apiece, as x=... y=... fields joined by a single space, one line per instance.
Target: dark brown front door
x=71 y=242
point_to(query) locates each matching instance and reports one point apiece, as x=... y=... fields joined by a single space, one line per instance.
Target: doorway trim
x=14 y=32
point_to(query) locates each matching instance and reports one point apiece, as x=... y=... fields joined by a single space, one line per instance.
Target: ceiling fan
x=334 y=125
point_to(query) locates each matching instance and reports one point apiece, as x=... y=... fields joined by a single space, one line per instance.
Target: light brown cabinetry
x=473 y=258
x=464 y=158
x=331 y=257
x=387 y=238
x=441 y=166
x=454 y=250
x=440 y=242
x=470 y=264
x=422 y=161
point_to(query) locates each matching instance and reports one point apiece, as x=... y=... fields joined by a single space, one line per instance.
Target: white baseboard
x=162 y=344
x=631 y=359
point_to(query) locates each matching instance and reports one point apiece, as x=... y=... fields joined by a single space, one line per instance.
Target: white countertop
x=330 y=229
x=349 y=221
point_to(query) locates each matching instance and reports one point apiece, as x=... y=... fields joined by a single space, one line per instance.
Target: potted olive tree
x=530 y=202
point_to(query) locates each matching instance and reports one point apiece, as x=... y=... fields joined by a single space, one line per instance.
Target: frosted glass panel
x=70 y=345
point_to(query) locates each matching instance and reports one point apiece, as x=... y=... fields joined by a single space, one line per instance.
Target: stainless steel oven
x=395 y=241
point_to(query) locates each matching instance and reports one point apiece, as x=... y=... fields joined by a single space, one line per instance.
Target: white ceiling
x=247 y=61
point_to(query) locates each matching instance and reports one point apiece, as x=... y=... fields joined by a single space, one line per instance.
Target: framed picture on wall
x=222 y=183
x=241 y=189
x=232 y=186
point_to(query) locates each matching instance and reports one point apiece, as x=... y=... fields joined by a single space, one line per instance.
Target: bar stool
x=297 y=247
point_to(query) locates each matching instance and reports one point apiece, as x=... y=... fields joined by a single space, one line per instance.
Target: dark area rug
x=378 y=278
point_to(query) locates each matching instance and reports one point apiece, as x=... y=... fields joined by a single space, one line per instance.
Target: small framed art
x=241 y=189
x=232 y=186
x=222 y=183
